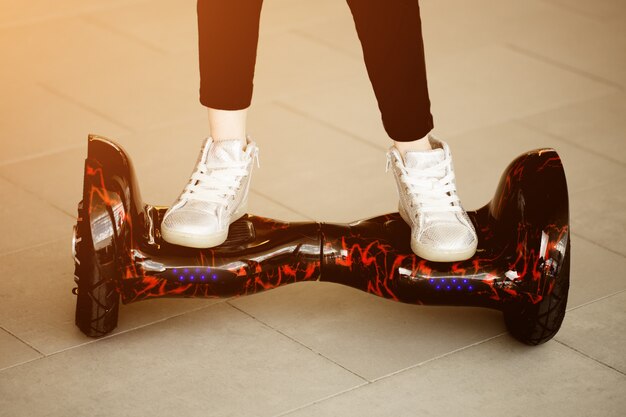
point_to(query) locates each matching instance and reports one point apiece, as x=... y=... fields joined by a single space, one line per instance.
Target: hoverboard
x=521 y=266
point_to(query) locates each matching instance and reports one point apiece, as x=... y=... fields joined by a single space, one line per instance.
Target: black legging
x=390 y=32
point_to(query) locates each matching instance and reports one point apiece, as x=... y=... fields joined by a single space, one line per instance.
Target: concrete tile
x=368 y=335
x=593 y=273
x=603 y=9
x=62 y=183
x=286 y=15
x=216 y=359
x=482 y=155
x=166 y=25
x=62 y=48
x=347 y=105
x=35 y=121
x=603 y=320
x=616 y=23
x=452 y=26
x=38 y=305
x=448 y=26
x=595 y=52
x=337 y=31
x=144 y=91
x=26 y=220
x=35 y=11
x=318 y=171
x=599 y=214
x=140 y=87
x=499 y=85
x=168 y=93
x=163 y=159
x=288 y=63
x=500 y=377
x=13 y=351
x=266 y=206
x=113 y=74
x=171 y=25
x=597 y=124
x=598 y=51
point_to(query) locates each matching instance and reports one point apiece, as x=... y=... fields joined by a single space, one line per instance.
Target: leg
x=228 y=32
x=228 y=124
x=391 y=37
x=227 y=35
x=217 y=193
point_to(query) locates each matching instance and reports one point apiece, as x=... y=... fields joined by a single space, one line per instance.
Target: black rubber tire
x=97 y=304
x=534 y=324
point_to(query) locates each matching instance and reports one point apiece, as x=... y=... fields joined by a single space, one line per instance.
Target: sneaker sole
x=437 y=255
x=200 y=241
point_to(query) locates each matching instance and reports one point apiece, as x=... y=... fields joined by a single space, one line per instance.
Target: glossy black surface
x=523 y=238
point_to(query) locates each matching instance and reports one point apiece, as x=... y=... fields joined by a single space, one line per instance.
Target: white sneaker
x=216 y=195
x=441 y=231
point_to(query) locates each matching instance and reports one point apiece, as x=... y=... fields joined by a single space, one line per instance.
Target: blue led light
x=208 y=269
x=186 y=270
x=181 y=278
x=454 y=281
x=443 y=280
x=191 y=277
x=432 y=280
x=470 y=288
x=459 y=287
x=464 y=281
x=202 y=277
x=214 y=276
x=438 y=287
x=175 y=270
x=447 y=287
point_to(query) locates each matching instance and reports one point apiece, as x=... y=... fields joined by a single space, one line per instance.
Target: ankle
x=227 y=124
x=420 y=145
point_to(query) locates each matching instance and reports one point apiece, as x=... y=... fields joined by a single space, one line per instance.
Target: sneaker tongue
x=423 y=159
x=226 y=151
x=221 y=151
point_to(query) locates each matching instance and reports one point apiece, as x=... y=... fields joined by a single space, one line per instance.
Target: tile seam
x=23 y=341
x=576 y=145
x=580 y=235
x=307 y=218
x=110 y=336
x=50 y=17
x=328 y=125
x=605 y=365
x=38 y=197
x=595 y=301
x=562 y=66
x=85 y=107
x=362 y=378
x=89 y=19
x=391 y=374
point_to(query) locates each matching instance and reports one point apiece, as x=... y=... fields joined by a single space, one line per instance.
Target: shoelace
x=216 y=182
x=431 y=189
